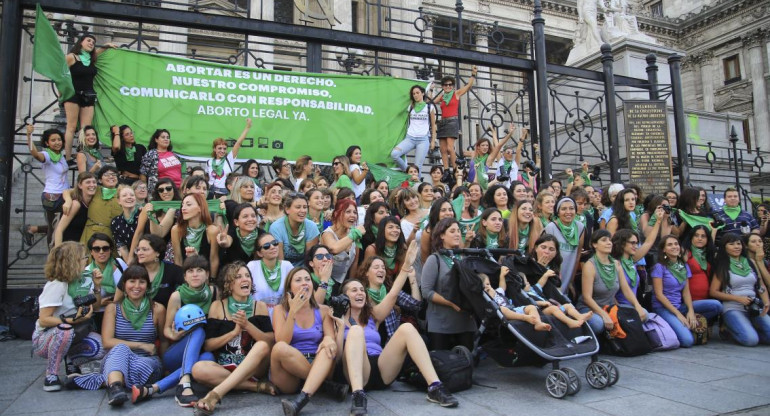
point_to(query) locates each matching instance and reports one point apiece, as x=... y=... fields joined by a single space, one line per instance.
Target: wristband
x=323 y=285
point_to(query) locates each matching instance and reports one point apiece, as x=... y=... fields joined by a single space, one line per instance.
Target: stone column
x=262 y=48
x=754 y=43
x=174 y=43
x=707 y=80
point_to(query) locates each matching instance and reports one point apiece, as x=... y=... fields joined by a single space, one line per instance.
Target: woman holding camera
x=366 y=363
x=671 y=292
x=743 y=293
x=64 y=325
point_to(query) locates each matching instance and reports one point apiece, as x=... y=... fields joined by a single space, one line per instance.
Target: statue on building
x=620 y=23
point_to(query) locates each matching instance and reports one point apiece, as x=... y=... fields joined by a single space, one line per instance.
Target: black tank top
x=83 y=76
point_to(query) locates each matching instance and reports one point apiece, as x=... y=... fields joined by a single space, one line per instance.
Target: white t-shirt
x=419 y=123
x=514 y=172
x=227 y=168
x=55 y=295
x=55 y=175
x=358 y=188
x=262 y=290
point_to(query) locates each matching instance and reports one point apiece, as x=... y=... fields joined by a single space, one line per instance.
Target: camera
x=460 y=163
x=503 y=178
x=531 y=165
x=340 y=305
x=717 y=221
x=666 y=209
x=755 y=307
x=277 y=144
x=85 y=301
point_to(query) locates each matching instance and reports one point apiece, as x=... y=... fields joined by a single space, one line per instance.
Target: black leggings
x=448 y=341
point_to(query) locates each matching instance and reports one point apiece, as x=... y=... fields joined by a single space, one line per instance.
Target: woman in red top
x=449 y=125
x=699 y=253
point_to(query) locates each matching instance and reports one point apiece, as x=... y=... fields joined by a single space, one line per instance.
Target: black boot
x=116 y=394
x=358 y=408
x=338 y=391
x=293 y=407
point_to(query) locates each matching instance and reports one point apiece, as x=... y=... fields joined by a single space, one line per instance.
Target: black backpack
x=454 y=368
x=20 y=318
x=635 y=343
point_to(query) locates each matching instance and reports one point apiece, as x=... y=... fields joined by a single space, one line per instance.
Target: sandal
x=140 y=393
x=210 y=401
x=27 y=237
x=184 y=400
x=266 y=387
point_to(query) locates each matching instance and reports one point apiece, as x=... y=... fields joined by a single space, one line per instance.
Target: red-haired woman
x=221 y=163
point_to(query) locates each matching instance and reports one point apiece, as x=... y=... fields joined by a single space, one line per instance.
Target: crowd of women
x=146 y=250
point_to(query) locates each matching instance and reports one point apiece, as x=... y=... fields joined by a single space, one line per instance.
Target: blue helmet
x=189 y=316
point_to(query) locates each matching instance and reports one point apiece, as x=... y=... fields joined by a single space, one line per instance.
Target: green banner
x=293 y=113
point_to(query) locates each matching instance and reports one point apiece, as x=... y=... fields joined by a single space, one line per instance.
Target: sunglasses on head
x=165 y=188
x=266 y=246
x=325 y=256
x=102 y=249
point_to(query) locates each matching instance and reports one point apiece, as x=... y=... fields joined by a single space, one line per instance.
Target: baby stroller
x=516 y=343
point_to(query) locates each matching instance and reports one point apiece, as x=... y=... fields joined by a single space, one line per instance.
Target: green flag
x=48 y=59
x=394 y=178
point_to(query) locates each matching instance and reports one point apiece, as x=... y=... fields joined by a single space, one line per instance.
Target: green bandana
x=296 y=241
x=678 y=271
x=377 y=295
x=507 y=166
x=130 y=152
x=330 y=284
x=543 y=221
x=479 y=163
x=233 y=306
x=447 y=96
x=634 y=224
x=319 y=222
x=695 y=220
x=630 y=269
x=55 y=157
x=355 y=235
x=247 y=243
x=218 y=167
x=523 y=238
x=85 y=58
x=155 y=286
x=740 y=267
x=590 y=211
x=525 y=176
x=653 y=220
x=492 y=240
x=201 y=297
x=108 y=193
x=639 y=210
x=108 y=282
x=570 y=232
x=136 y=315
x=700 y=257
x=450 y=261
x=194 y=236
x=82 y=285
x=131 y=218
x=389 y=255
x=586 y=178
x=272 y=276
x=606 y=272
x=94 y=152
x=419 y=106
x=375 y=231
x=581 y=218
x=732 y=212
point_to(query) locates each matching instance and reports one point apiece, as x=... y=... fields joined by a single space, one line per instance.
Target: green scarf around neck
x=377 y=295
x=493 y=240
x=82 y=285
x=233 y=306
x=194 y=236
x=678 y=270
x=132 y=217
x=201 y=297
x=248 y=242
x=108 y=282
x=218 y=166
x=419 y=106
x=699 y=255
x=155 y=286
x=55 y=157
x=136 y=314
x=130 y=152
x=570 y=232
x=606 y=272
x=297 y=241
x=85 y=58
x=108 y=193
x=447 y=96
x=389 y=255
x=272 y=276
x=732 y=212
x=330 y=284
x=93 y=151
x=741 y=266
x=630 y=269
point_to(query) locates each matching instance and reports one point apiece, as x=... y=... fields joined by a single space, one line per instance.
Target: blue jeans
x=595 y=321
x=182 y=355
x=709 y=308
x=747 y=331
x=422 y=144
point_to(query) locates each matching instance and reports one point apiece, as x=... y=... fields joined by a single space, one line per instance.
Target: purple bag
x=659 y=333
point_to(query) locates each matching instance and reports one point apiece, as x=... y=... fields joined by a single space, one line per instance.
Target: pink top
x=169 y=166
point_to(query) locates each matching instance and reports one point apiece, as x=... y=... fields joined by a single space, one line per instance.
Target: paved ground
x=719 y=378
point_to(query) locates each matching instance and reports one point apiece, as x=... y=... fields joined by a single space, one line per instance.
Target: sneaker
x=358 y=408
x=116 y=394
x=52 y=383
x=73 y=370
x=442 y=396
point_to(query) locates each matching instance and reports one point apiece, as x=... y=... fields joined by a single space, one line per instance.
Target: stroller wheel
x=574 y=380
x=613 y=369
x=557 y=383
x=597 y=375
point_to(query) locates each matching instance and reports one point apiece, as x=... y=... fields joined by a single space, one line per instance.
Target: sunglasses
x=447 y=85
x=326 y=256
x=266 y=246
x=165 y=188
x=335 y=163
x=102 y=249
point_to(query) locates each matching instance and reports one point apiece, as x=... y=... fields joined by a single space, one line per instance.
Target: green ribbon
x=419 y=106
x=194 y=236
x=55 y=157
x=296 y=241
x=272 y=276
x=329 y=282
x=85 y=57
x=740 y=267
x=248 y=242
x=732 y=212
x=201 y=297
x=447 y=96
x=82 y=285
x=108 y=193
x=629 y=268
x=377 y=295
x=233 y=306
x=108 y=282
x=699 y=255
x=355 y=235
x=606 y=272
x=678 y=270
x=570 y=232
x=130 y=152
x=389 y=255
x=136 y=315
x=155 y=286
